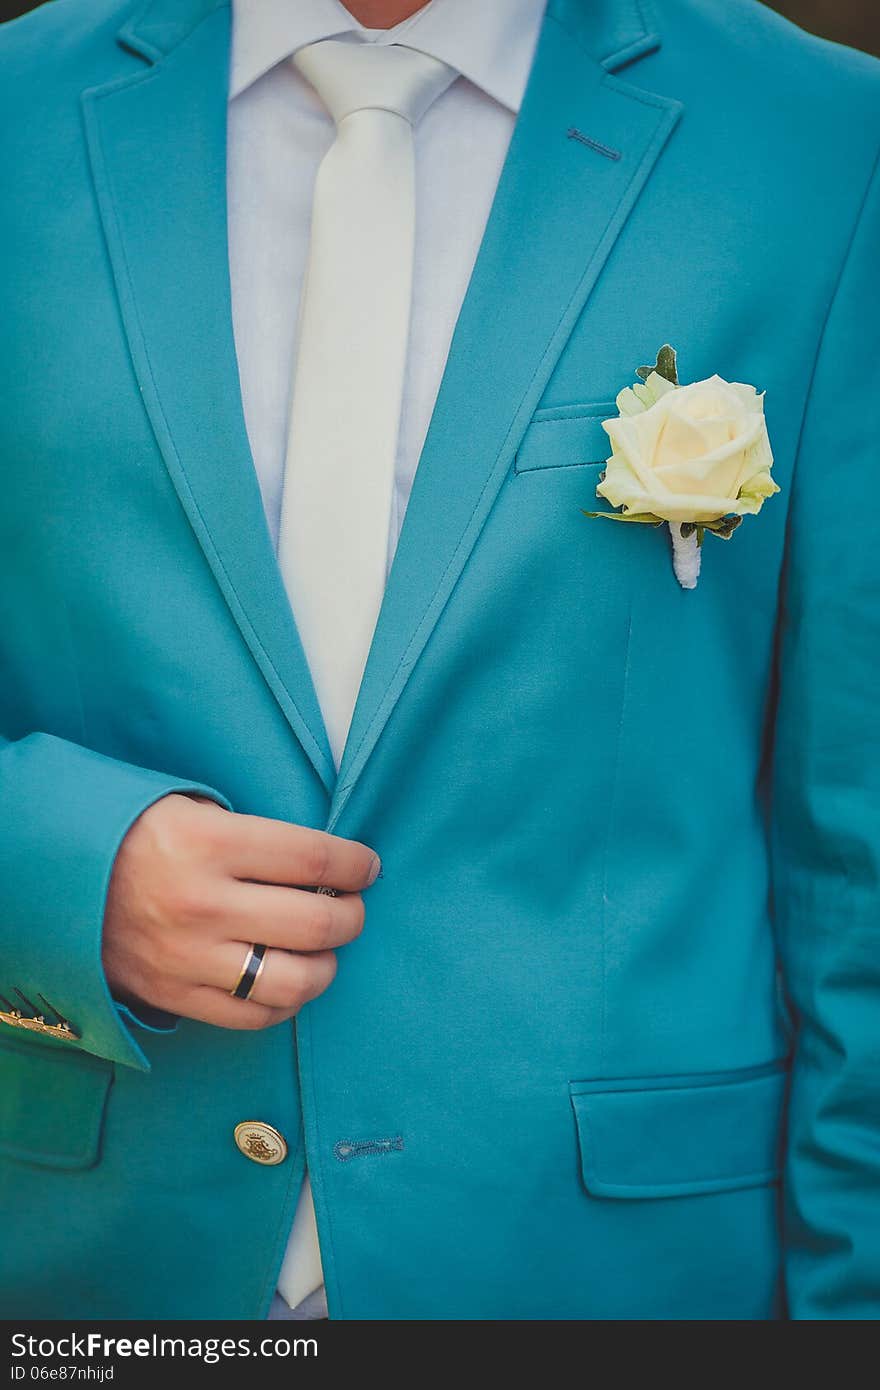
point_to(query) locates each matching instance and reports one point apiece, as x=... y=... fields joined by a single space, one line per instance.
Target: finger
x=215 y=1006
x=286 y=981
x=272 y=851
x=289 y=917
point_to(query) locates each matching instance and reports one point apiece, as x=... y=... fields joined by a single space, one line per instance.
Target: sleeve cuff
x=64 y=813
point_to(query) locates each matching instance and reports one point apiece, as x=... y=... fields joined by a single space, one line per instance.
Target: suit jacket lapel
x=584 y=145
x=157 y=142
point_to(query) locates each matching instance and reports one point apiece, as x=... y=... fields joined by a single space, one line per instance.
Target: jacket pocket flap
x=51 y=1104
x=565 y=437
x=680 y=1136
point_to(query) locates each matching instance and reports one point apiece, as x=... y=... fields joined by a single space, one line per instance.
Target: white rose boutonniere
x=696 y=457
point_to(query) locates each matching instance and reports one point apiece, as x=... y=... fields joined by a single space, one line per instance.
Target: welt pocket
x=567 y=436
x=51 y=1104
x=681 y=1136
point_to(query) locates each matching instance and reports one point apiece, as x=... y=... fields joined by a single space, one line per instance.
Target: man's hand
x=194 y=885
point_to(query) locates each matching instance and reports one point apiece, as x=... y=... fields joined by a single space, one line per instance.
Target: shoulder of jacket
x=751 y=34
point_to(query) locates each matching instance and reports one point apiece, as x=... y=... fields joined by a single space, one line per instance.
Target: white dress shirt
x=278 y=134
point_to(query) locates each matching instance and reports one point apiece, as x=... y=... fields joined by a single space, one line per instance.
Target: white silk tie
x=345 y=406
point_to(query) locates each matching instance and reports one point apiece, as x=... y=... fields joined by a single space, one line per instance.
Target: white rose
x=692 y=453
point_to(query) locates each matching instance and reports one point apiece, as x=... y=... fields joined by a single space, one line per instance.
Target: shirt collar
x=490 y=42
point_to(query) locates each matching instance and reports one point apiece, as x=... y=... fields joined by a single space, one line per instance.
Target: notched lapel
x=157 y=143
x=583 y=147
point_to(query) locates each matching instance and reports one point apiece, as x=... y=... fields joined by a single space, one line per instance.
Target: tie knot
x=358 y=76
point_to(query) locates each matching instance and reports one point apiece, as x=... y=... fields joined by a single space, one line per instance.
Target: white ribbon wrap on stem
x=686 y=556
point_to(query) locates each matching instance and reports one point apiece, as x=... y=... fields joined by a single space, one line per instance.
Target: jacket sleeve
x=825 y=822
x=64 y=811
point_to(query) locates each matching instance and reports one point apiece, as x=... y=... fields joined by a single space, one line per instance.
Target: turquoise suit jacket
x=609 y=1045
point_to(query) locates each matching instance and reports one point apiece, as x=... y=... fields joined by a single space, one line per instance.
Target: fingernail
x=375 y=871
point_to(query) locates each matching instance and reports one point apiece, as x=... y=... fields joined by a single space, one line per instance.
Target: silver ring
x=328 y=892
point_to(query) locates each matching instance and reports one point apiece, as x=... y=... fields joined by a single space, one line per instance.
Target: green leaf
x=665 y=366
x=645 y=518
x=688 y=528
x=725 y=527
x=701 y=532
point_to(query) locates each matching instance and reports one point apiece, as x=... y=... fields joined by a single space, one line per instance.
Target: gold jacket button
x=260 y=1142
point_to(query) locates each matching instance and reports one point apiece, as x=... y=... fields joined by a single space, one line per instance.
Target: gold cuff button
x=260 y=1142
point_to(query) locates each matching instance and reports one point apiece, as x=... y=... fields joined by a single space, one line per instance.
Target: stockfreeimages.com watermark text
x=30 y=1353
